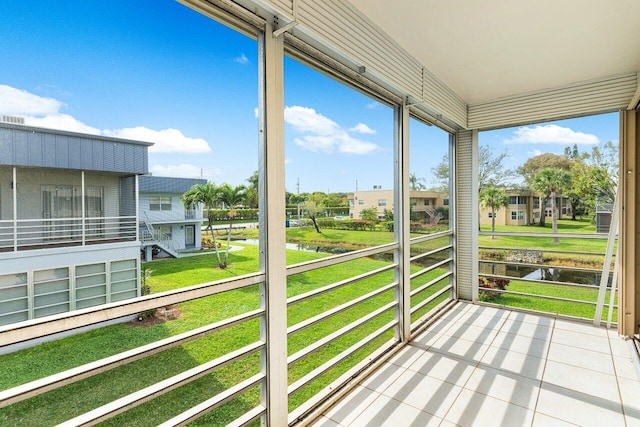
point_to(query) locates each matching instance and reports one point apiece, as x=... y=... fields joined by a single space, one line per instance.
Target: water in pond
x=303 y=247
x=555 y=274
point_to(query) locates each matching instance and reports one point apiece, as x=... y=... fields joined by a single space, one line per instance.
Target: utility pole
x=298 y=190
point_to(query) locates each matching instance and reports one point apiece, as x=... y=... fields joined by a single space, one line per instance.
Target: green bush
x=487 y=295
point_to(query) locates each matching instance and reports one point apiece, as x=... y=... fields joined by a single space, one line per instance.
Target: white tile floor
x=481 y=366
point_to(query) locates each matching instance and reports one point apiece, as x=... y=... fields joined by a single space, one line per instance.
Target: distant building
x=524 y=209
x=68 y=221
x=423 y=203
x=164 y=222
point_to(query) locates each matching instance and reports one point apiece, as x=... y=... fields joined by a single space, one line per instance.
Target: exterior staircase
x=151 y=237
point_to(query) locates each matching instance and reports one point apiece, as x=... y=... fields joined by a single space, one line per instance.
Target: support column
x=401 y=221
x=629 y=241
x=465 y=168
x=272 y=226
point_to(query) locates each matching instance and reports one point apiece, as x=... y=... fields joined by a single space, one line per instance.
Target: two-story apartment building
x=164 y=221
x=68 y=227
x=524 y=208
x=423 y=202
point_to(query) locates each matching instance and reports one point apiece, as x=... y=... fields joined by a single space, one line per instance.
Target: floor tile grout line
x=544 y=369
x=615 y=374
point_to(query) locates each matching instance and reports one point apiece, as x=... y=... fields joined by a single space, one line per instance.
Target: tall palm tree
x=252 y=190
x=552 y=181
x=416 y=183
x=205 y=195
x=232 y=198
x=494 y=198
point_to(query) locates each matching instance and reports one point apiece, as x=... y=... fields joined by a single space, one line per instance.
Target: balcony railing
x=26 y=234
x=566 y=280
x=172 y=216
x=351 y=323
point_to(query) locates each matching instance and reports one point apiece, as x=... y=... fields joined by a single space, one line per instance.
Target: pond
x=303 y=247
x=555 y=274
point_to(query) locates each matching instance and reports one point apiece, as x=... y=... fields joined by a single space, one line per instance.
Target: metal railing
x=364 y=326
x=542 y=278
x=25 y=234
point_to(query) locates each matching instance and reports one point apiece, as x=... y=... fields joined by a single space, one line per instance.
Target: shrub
x=491 y=283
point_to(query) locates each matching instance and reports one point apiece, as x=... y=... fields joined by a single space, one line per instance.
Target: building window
x=426 y=202
x=159 y=203
x=536 y=203
x=382 y=202
x=517 y=200
x=517 y=215
x=445 y=202
x=361 y=202
x=491 y=215
x=164 y=230
x=351 y=202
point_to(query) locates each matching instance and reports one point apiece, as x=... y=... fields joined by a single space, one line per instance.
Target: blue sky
x=155 y=70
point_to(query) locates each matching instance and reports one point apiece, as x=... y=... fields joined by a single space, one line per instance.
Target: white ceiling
x=486 y=49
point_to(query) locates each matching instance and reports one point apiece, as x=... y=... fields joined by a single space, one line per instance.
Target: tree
x=530 y=169
x=232 y=198
x=491 y=169
x=312 y=210
x=416 y=183
x=252 y=190
x=552 y=181
x=297 y=199
x=369 y=214
x=494 y=198
x=207 y=196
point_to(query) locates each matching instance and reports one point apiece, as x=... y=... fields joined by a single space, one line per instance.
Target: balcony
x=29 y=234
x=480 y=365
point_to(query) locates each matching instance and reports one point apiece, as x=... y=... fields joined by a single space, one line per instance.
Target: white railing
x=172 y=216
x=158 y=237
x=25 y=234
x=365 y=326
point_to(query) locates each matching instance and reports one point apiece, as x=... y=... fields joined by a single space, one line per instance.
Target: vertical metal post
x=137 y=213
x=606 y=265
x=402 y=220
x=15 y=210
x=452 y=214
x=84 y=224
x=272 y=226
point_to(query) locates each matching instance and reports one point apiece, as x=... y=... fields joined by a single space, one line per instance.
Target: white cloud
x=288 y=161
x=362 y=128
x=45 y=112
x=22 y=103
x=165 y=141
x=550 y=134
x=534 y=153
x=242 y=59
x=184 y=170
x=323 y=134
x=372 y=105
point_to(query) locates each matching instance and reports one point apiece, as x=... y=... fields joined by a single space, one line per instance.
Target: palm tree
x=416 y=183
x=494 y=198
x=552 y=181
x=207 y=196
x=252 y=190
x=231 y=197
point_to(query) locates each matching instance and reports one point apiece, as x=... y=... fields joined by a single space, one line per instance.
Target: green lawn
x=72 y=400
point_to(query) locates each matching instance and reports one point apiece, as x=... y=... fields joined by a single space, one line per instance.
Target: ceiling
x=494 y=48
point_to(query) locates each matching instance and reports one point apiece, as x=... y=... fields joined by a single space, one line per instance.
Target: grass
x=69 y=401
x=72 y=400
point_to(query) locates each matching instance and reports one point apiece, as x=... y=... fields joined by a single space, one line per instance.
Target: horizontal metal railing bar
x=342 y=307
x=551 y=251
x=209 y=405
x=544 y=282
x=248 y=417
x=340 y=357
x=42 y=385
x=527 y=264
x=306 y=266
x=139 y=397
x=524 y=294
x=430 y=283
x=426 y=238
x=601 y=236
x=433 y=297
x=333 y=286
x=426 y=254
x=430 y=268
x=337 y=334
x=36 y=328
x=588 y=320
x=328 y=393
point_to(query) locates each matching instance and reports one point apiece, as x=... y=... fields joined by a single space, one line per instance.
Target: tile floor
x=481 y=366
